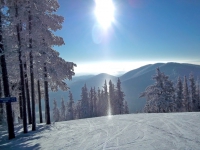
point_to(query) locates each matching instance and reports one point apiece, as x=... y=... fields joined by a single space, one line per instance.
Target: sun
x=104 y=12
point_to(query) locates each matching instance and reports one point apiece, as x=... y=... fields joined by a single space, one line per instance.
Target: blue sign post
x=8 y=99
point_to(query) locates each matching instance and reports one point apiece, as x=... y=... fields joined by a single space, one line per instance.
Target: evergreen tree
x=70 y=107
x=198 y=94
x=84 y=103
x=160 y=95
x=126 y=110
x=185 y=101
x=62 y=110
x=95 y=104
x=112 y=98
x=77 y=109
x=91 y=102
x=119 y=98
x=179 y=95
x=193 y=97
x=105 y=103
x=56 y=113
x=99 y=102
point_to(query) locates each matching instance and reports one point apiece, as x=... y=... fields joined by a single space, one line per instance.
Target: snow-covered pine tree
x=98 y=102
x=84 y=102
x=112 y=98
x=119 y=98
x=198 y=94
x=193 y=97
x=126 y=109
x=91 y=102
x=56 y=112
x=179 y=95
x=95 y=105
x=62 y=110
x=104 y=101
x=15 y=8
x=185 y=101
x=70 y=107
x=160 y=95
x=77 y=109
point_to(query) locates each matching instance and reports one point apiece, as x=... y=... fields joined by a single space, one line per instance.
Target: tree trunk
x=1 y=104
x=39 y=101
x=21 y=76
x=11 y=133
x=27 y=94
x=20 y=105
x=32 y=92
x=32 y=74
x=47 y=108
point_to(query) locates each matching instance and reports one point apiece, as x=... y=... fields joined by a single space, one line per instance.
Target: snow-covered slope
x=178 y=131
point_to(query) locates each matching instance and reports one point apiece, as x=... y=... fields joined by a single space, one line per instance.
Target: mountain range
x=133 y=82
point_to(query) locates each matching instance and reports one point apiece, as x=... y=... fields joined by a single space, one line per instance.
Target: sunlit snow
x=176 y=131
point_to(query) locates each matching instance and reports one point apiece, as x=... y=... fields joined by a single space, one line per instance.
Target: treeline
x=166 y=96
x=29 y=64
x=101 y=102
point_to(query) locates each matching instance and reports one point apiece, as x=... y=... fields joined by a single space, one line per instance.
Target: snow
x=134 y=131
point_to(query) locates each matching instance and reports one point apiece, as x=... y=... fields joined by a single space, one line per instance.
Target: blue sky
x=143 y=31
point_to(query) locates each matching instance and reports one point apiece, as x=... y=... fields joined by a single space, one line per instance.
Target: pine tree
x=126 y=109
x=112 y=97
x=95 y=104
x=91 y=103
x=105 y=103
x=71 y=107
x=77 y=109
x=193 y=96
x=62 y=110
x=119 y=98
x=198 y=94
x=160 y=95
x=84 y=103
x=179 y=95
x=185 y=101
x=99 y=102
x=56 y=113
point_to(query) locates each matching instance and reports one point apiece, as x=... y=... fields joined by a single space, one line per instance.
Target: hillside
x=133 y=82
x=127 y=132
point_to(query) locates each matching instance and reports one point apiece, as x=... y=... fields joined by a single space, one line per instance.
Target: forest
x=166 y=96
x=103 y=102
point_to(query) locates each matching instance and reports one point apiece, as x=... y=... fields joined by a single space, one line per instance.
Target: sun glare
x=104 y=12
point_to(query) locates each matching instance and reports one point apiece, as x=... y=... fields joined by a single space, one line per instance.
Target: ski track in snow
x=174 y=131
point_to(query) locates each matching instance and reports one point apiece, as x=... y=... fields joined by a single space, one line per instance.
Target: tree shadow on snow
x=22 y=140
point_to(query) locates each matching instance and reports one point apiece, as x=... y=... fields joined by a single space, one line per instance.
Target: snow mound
x=127 y=132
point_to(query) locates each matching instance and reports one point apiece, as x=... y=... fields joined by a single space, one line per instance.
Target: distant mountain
x=133 y=82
